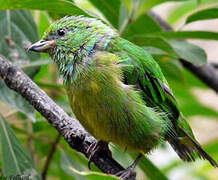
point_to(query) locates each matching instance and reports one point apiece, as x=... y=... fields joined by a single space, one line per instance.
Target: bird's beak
x=42 y=46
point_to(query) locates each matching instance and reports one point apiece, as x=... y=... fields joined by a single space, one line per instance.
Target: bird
x=117 y=90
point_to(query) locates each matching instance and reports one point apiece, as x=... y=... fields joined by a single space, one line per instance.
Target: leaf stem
x=9 y=22
x=50 y=156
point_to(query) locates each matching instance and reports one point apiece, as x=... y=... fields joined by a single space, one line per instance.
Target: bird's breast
x=90 y=104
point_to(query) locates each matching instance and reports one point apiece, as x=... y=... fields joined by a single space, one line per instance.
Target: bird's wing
x=141 y=70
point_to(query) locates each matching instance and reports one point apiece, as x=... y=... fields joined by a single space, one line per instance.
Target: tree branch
x=68 y=127
x=205 y=73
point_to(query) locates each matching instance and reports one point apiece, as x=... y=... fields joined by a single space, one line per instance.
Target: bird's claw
x=95 y=148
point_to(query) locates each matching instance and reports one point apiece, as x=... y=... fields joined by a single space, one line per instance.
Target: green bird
x=117 y=90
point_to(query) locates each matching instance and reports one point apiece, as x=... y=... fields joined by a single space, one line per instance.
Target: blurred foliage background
x=29 y=145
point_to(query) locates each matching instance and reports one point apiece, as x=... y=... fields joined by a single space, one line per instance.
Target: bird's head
x=70 y=39
x=69 y=34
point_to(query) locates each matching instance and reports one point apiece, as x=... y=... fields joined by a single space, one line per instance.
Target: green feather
x=117 y=90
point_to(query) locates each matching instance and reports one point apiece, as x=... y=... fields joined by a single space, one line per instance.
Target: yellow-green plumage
x=116 y=89
x=111 y=110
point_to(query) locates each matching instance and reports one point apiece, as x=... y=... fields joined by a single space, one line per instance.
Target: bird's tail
x=187 y=147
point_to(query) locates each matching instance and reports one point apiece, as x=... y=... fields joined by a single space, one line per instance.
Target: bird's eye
x=61 y=32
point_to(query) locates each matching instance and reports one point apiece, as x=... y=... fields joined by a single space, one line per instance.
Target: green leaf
x=180 y=11
x=150 y=169
x=110 y=9
x=203 y=15
x=141 y=26
x=16 y=160
x=57 y=6
x=148 y=4
x=189 y=52
x=17 y=30
x=154 y=51
x=139 y=32
x=43 y=21
x=157 y=42
x=124 y=17
x=71 y=167
x=128 y=4
x=39 y=62
x=188 y=103
x=172 y=68
x=207 y=35
x=122 y=157
x=211 y=149
x=16 y=101
x=144 y=164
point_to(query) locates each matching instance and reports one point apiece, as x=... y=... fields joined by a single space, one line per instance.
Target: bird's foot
x=129 y=173
x=95 y=148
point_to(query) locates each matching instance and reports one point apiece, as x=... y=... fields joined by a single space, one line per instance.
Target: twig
x=30 y=140
x=214 y=64
x=68 y=127
x=50 y=156
x=205 y=73
x=10 y=113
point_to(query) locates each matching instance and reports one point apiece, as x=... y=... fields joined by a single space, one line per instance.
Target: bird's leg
x=95 y=148
x=129 y=172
